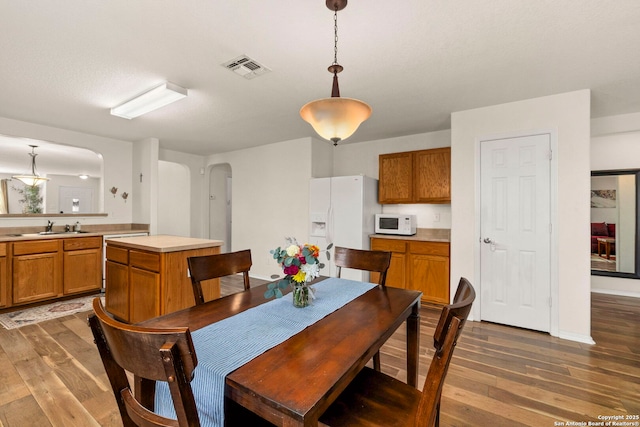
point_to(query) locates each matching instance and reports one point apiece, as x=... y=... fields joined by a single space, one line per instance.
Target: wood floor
x=51 y=374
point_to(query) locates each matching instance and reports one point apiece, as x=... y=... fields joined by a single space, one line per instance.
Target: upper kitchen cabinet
x=395 y=184
x=415 y=177
x=432 y=176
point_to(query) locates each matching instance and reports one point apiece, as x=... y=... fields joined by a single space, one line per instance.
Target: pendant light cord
x=335 y=37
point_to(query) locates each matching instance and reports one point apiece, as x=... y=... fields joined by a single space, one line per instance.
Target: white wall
x=198 y=215
x=618 y=149
x=174 y=199
x=117 y=156
x=270 y=198
x=362 y=159
x=567 y=116
x=322 y=155
x=144 y=179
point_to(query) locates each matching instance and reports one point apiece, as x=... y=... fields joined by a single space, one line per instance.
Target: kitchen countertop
x=163 y=243
x=12 y=234
x=423 y=234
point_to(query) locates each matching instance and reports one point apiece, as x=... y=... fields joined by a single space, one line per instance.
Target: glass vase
x=301 y=295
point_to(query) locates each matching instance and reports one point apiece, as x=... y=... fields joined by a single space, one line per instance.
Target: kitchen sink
x=44 y=233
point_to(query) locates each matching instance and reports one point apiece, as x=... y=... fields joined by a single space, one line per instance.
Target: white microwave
x=404 y=225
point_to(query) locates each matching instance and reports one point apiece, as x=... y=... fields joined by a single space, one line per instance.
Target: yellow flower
x=293 y=250
x=299 y=277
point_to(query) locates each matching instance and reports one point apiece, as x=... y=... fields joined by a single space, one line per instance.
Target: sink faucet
x=67 y=228
x=49 y=225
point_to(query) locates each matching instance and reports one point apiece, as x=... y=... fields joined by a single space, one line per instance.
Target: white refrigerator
x=342 y=211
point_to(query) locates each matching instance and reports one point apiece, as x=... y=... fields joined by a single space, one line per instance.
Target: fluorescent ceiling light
x=158 y=97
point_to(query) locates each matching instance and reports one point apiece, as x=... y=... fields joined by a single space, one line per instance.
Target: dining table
x=296 y=380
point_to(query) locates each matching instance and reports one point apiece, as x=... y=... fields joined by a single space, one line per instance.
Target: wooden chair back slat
x=359 y=259
x=150 y=355
x=208 y=267
x=445 y=337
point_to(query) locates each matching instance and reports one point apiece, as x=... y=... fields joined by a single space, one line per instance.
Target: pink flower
x=292 y=269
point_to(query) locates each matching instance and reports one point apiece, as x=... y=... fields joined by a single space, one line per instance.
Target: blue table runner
x=224 y=346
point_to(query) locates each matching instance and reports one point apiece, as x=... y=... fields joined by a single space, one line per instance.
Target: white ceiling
x=66 y=62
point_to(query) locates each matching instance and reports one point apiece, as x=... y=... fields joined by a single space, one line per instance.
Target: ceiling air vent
x=246 y=67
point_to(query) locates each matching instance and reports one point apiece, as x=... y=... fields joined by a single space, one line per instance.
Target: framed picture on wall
x=603 y=198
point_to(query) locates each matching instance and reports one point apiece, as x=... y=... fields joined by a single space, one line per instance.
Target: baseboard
x=616 y=292
x=266 y=279
x=586 y=339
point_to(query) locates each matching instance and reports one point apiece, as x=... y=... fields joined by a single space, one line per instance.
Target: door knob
x=488 y=240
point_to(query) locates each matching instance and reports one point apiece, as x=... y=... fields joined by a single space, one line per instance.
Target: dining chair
x=219 y=265
x=150 y=355
x=372 y=261
x=376 y=399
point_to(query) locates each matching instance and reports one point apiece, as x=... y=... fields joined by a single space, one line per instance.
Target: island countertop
x=163 y=243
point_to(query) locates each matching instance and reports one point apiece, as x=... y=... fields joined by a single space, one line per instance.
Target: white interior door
x=75 y=199
x=515 y=278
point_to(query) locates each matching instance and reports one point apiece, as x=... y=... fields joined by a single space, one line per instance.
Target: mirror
x=75 y=179
x=614 y=223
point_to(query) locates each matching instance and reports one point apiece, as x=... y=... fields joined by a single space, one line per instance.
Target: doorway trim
x=553 y=194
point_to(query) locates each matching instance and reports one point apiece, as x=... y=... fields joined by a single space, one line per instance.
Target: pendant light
x=33 y=179
x=335 y=118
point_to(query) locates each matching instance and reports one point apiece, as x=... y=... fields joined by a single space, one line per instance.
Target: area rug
x=30 y=316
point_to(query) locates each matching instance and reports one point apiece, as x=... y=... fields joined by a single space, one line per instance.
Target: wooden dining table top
x=293 y=383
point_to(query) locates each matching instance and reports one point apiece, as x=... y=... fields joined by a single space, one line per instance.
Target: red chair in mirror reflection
x=603 y=239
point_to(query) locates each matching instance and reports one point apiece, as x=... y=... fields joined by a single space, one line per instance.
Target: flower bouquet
x=300 y=265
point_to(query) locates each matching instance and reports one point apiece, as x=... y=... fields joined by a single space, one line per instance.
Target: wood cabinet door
x=432 y=176
x=395 y=178
x=430 y=274
x=396 y=275
x=144 y=295
x=37 y=277
x=82 y=270
x=117 y=290
x=3 y=281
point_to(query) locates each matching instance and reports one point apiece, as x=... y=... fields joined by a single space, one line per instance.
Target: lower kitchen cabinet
x=418 y=265
x=117 y=276
x=4 y=275
x=144 y=294
x=396 y=275
x=429 y=270
x=82 y=262
x=46 y=269
x=37 y=271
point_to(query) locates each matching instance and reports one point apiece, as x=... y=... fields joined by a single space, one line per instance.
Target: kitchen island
x=148 y=276
x=419 y=262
